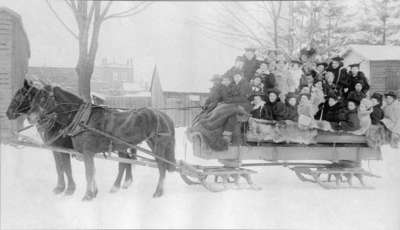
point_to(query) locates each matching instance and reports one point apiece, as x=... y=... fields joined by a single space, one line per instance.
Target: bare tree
x=259 y=24
x=89 y=17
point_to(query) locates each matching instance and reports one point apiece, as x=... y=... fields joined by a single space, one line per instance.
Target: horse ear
x=27 y=83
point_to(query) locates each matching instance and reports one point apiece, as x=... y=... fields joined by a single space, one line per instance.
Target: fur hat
x=354 y=100
x=377 y=96
x=391 y=94
x=274 y=90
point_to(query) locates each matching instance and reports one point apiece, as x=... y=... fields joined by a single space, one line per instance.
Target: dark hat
x=377 y=96
x=274 y=90
x=331 y=95
x=322 y=63
x=252 y=49
x=354 y=100
x=355 y=65
x=291 y=95
x=239 y=58
x=337 y=58
x=391 y=94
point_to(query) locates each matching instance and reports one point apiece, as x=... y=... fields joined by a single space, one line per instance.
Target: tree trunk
x=84 y=72
x=276 y=33
x=384 y=33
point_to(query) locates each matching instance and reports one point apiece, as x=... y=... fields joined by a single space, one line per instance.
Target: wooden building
x=381 y=65
x=14 y=57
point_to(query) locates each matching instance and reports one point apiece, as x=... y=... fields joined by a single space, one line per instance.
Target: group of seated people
x=325 y=95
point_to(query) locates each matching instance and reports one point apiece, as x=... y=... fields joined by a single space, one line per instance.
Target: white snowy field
x=28 y=177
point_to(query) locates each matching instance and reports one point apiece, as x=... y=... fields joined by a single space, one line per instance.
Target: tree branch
x=130 y=12
x=61 y=21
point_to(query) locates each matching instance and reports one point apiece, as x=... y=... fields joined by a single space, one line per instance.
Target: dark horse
x=154 y=127
x=20 y=105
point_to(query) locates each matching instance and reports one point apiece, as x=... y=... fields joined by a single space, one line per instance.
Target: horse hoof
x=59 y=189
x=88 y=197
x=114 y=189
x=127 y=183
x=157 y=194
x=69 y=191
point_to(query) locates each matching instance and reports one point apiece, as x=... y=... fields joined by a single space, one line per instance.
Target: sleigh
x=331 y=160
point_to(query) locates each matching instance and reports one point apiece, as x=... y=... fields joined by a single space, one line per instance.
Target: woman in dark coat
x=377 y=112
x=291 y=107
x=330 y=110
x=274 y=108
x=349 y=120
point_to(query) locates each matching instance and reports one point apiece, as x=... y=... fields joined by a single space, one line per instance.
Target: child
x=258 y=110
x=291 y=107
x=377 y=112
x=348 y=118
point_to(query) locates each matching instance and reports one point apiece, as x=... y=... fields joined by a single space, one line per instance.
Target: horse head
x=21 y=102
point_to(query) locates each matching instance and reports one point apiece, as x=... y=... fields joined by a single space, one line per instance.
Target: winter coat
x=365 y=121
x=213 y=98
x=392 y=117
x=250 y=67
x=291 y=112
x=341 y=78
x=357 y=96
x=377 y=114
x=275 y=110
x=258 y=111
x=360 y=77
x=328 y=113
x=239 y=94
x=307 y=110
x=269 y=81
x=329 y=88
x=349 y=121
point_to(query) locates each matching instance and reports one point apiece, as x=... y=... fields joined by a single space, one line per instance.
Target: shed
x=14 y=58
x=381 y=65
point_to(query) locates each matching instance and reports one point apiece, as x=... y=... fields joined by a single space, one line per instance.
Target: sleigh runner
x=331 y=160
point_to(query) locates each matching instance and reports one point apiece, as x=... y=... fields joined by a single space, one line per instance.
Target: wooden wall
x=176 y=100
x=385 y=75
x=14 y=57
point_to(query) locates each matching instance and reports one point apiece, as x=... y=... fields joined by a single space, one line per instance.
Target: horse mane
x=60 y=92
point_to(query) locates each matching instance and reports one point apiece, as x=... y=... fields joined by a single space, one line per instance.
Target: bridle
x=25 y=95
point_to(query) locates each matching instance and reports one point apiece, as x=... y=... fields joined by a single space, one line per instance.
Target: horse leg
x=128 y=170
x=121 y=169
x=160 y=186
x=60 y=176
x=68 y=172
x=91 y=189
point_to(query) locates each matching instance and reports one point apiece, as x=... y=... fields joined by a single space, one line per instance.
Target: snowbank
x=28 y=177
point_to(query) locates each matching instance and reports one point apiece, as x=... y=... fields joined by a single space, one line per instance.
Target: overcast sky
x=162 y=34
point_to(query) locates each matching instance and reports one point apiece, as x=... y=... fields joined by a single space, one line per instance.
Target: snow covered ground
x=28 y=177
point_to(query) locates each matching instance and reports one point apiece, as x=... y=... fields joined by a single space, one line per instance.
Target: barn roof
x=375 y=52
x=17 y=17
